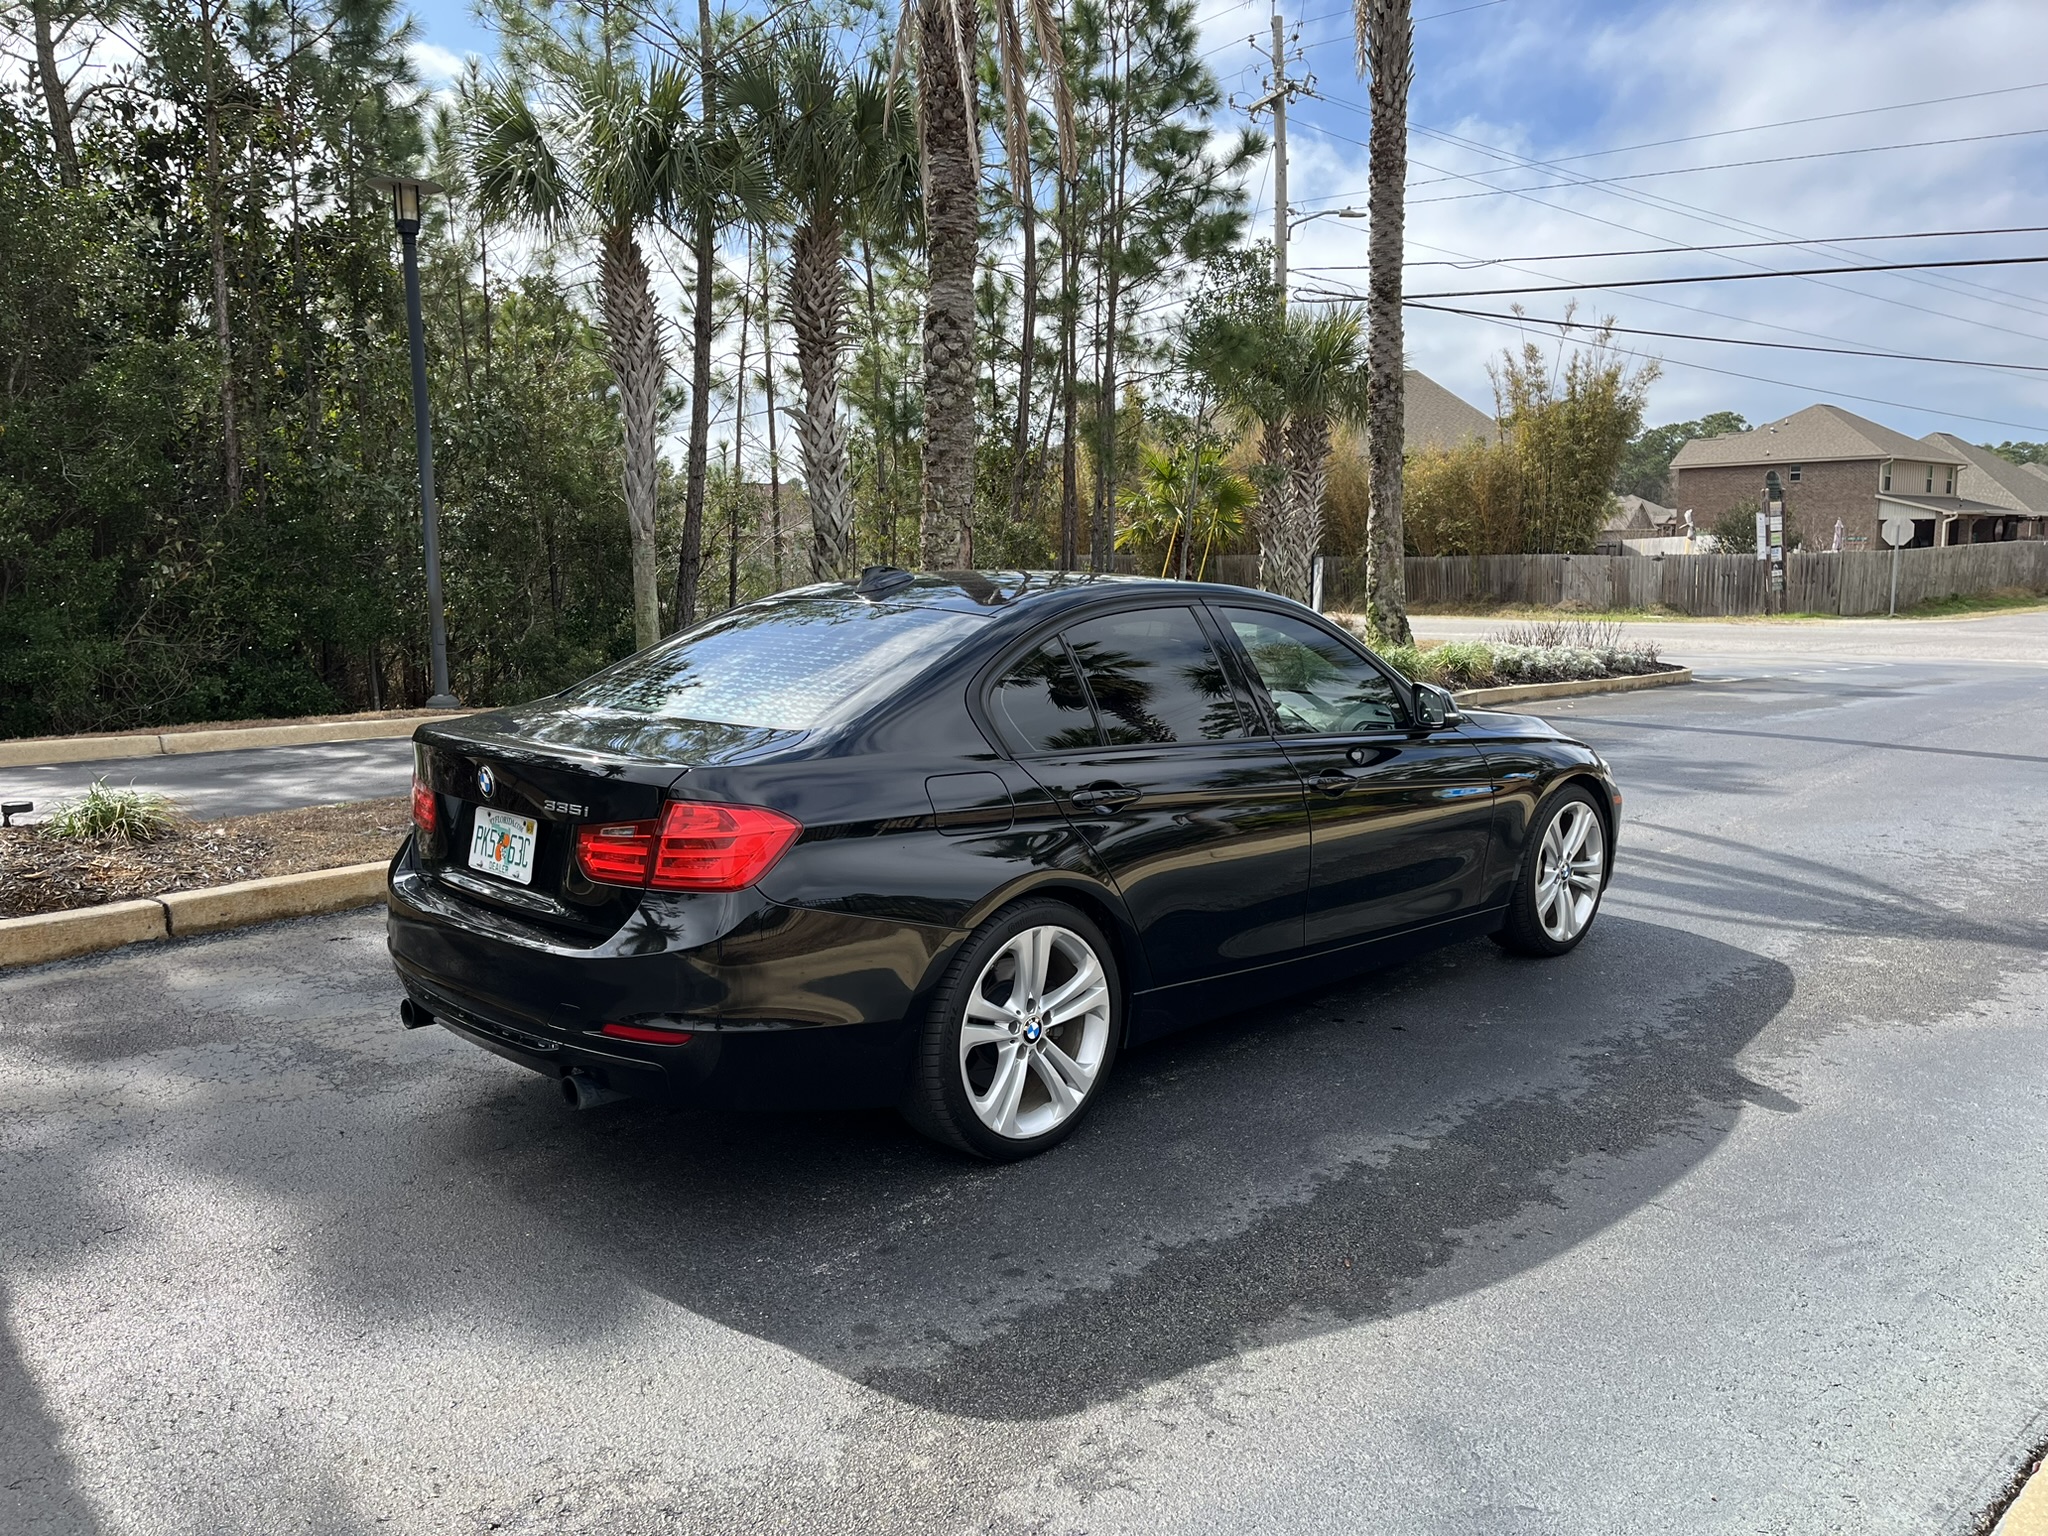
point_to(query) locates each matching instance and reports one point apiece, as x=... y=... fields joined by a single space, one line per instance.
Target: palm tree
x=1184 y=501
x=1325 y=382
x=1386 y=53
x=601 y=149
x=949 y=144
x=840 y=162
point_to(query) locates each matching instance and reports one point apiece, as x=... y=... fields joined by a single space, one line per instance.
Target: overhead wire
x=1657 y=202
x=1565 y=325
x=1813 y=389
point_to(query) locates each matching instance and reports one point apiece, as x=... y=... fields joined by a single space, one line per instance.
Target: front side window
x=784 y=664
x=1319 y=685
x=1155 y=678
x=1930 y=479
x=1041 y=703
x=1794 y=472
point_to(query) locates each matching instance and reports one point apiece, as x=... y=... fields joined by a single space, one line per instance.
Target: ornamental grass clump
x=114 y=815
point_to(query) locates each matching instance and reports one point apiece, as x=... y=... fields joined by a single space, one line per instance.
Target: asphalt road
x=1731 y=1221
x=210 y=784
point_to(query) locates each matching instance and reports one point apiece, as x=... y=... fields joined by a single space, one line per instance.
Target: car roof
x=1012 y=592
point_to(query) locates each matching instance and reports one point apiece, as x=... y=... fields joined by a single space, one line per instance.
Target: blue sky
x=1605 y=82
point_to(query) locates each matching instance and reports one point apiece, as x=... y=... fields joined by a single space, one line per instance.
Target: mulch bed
x=41 y=873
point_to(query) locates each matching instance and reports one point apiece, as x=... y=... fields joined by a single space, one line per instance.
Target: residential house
x=1639 y=526
x=1841 y=471
x=1433 y=417
x=2020 y=490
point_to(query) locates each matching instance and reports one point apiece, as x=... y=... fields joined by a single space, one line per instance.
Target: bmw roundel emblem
x=486 y=783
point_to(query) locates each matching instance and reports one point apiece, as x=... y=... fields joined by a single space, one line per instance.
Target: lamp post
x=406 y=192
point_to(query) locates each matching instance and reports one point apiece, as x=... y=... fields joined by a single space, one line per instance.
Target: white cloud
x=1546 y=80
x=437 y=66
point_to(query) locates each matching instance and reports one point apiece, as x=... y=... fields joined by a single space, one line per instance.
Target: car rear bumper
x=785 y=1006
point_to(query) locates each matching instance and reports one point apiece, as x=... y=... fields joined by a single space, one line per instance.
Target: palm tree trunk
x=639 y=365
x=1301 y=521
x=816 y=313
x=950 y=141
x=1388 y=53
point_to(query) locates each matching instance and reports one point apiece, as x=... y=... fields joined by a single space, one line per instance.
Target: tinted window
x=1318 y=684
x=1155 y=677
x=1041 y=701
x=785 y=664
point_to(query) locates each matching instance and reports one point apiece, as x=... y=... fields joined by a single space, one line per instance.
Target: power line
x=1743 y=277
x=1720 y=133
x=1722 y=165
x=1838 y=394
x=1675 y=250
x=1653 y=202
x=1730 y=341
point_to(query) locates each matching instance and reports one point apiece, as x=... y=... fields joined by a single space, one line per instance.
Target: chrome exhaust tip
x=582 y=1091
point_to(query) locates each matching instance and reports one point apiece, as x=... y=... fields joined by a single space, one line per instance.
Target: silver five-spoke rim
x=1568 y=870
x=1036 y=1030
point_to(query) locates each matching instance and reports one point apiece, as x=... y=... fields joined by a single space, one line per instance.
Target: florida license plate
x=502 y=845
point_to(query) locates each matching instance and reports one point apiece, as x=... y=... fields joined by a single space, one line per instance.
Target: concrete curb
x=2027 y=1515
x=1483 y=698
x=186 y=914
x=41 y=751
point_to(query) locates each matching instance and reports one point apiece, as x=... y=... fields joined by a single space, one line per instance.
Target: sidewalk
x=2014 y=638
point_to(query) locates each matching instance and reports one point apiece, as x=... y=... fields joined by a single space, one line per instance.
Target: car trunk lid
x=560 y=767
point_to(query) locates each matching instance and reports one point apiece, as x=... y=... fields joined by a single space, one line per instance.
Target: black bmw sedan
x=952 y=842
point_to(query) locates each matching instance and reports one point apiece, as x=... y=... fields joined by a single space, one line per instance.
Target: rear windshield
x=784 y=665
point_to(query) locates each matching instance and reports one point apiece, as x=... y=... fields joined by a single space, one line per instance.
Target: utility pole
x=1282 y=92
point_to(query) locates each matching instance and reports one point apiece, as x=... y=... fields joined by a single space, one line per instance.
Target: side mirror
x=1435 y=708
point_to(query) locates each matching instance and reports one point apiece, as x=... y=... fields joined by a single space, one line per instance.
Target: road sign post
x=1774 y=529
x=1898 y=531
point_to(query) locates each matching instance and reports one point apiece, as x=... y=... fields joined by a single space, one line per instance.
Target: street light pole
x=405 y=207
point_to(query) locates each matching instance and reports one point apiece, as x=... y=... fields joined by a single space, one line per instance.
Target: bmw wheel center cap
x=486 y=783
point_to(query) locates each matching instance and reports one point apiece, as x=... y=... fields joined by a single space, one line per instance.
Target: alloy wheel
x=1035 y=1032
x=1569 y=867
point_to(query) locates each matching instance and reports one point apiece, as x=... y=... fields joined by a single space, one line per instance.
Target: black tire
x=1526 y=931
x=939 y=1103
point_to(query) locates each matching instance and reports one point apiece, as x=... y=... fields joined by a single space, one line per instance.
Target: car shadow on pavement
x=1339 y=1160
x=39 y=1488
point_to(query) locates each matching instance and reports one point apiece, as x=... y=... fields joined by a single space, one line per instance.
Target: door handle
x=1334 y=781
x=1098 y=796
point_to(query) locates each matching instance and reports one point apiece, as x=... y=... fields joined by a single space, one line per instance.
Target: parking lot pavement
x=210 y=784
x=1728 y=1222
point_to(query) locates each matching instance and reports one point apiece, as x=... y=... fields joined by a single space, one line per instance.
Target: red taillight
x=425 y=813
x=647 y=1034
x=616 y=854
x=694 y=847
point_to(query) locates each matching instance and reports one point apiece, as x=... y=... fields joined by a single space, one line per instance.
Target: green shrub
x=123 y=815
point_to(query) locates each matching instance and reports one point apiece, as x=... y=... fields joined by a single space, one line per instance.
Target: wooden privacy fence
x=1705 y=585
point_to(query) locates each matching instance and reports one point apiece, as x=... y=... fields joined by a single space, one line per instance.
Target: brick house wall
x=1823 y=492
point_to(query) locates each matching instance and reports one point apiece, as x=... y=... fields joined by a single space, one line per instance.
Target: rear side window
x=1154 y=677
x=784 y=664
x=1040 y=702
x=1319 y=685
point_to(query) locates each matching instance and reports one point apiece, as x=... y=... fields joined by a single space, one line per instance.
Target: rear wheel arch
x=1103 y=908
